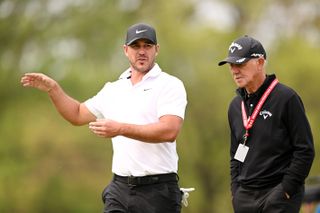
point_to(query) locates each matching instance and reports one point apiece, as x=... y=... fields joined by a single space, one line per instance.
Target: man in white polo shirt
x=143 y=113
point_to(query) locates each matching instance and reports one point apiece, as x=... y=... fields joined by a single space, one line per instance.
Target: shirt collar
x=243 y=93
x=154 y=72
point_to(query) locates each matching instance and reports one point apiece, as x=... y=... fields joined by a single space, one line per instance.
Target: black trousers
x=162 y=197
x=272 y=200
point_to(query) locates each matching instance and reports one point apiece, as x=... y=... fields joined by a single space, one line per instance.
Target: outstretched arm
x=70 y=109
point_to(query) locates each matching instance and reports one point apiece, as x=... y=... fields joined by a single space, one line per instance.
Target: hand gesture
x=38 y=81
x=105 y=128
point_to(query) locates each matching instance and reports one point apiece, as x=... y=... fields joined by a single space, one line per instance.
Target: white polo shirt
x=156 y=95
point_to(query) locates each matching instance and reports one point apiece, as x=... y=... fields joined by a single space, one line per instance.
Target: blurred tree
x=46 y=165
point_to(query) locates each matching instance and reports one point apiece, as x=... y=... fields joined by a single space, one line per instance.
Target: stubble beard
x=143 y=69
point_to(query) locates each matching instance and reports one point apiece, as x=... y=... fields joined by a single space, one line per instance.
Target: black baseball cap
x=243 y=49
x=141 y=31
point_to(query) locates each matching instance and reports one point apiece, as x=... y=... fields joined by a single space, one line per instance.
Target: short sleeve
x=172 y=99
x=95 y=104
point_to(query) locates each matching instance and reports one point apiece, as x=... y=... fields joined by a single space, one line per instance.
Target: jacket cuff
x=290 y=189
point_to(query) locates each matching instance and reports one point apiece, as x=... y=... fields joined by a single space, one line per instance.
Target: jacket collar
x=245 y=96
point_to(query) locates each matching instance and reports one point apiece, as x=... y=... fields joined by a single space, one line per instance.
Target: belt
x=146 y=180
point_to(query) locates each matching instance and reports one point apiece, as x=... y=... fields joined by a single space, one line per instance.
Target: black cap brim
x=138 y=38
x=234 y=60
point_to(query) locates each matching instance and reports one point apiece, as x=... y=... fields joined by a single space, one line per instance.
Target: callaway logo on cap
x=243 y=49
x=141 y=31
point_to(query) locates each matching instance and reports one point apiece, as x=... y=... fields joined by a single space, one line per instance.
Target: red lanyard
x=248 y=122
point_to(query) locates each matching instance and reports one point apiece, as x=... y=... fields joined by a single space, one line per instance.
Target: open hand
x=38 y=81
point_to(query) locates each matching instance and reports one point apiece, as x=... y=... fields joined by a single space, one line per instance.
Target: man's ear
x=125 y=50
x=157 y=49
x=261 y=62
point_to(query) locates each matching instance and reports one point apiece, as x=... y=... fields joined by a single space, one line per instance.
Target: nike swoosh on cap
x=140 y=31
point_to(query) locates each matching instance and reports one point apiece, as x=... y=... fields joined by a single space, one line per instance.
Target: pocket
x=104 y=193
x=174 y=189
x=284 y=193
x=277 y=193
x=175 y=195
x=171 y=192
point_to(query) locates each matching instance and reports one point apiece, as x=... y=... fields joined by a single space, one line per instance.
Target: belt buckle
x=130 y=181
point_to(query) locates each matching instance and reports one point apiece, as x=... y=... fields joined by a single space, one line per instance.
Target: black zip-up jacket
x=280 y=142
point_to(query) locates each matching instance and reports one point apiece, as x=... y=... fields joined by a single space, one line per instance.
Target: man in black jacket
x=271 y=141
